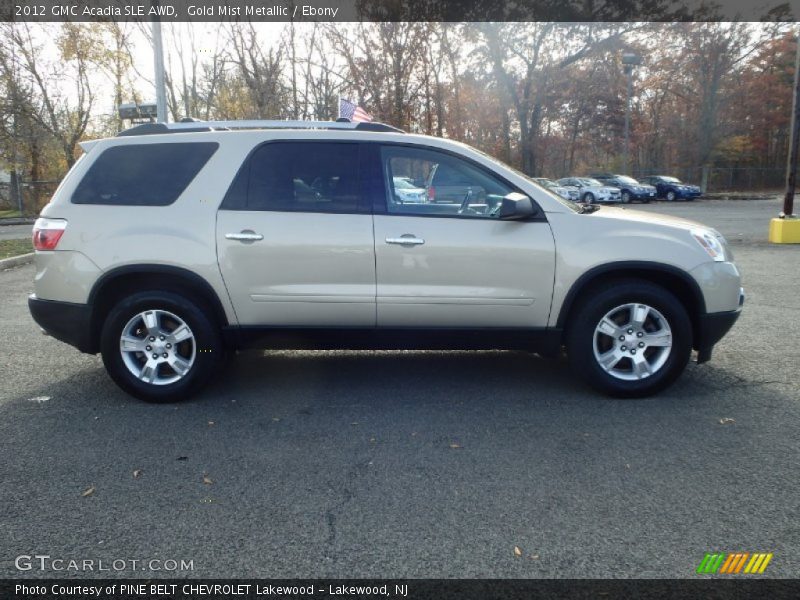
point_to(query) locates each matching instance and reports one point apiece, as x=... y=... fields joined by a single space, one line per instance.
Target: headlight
x=708 y=240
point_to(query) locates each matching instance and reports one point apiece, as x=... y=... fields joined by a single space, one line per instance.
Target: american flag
x=350 y=110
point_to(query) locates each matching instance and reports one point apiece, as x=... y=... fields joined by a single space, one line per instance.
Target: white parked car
x=168 y=246
x=591 y=190
x=406 y=192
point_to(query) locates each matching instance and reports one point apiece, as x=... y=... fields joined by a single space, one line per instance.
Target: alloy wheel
x=632 y=342
x=157 y=347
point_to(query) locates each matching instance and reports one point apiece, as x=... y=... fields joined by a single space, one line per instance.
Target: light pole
x=629 y=60
x=158 y=59
x=785 y=229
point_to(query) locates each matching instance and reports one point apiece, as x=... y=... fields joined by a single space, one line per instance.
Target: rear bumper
x=65 y=321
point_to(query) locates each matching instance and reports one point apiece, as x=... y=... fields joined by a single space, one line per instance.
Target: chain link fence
x=34 y=195
x=725 y=179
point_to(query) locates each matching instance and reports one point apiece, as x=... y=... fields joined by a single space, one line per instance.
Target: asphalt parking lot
x=414 y=464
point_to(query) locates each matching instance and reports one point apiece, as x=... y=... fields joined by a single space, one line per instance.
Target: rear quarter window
x=143 y=174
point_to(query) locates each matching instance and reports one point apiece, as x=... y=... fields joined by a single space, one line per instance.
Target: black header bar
x=712 y=588
x=331 y=11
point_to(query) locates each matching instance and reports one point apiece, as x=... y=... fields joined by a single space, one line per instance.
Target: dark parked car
x=629 y=188
x=672 y=188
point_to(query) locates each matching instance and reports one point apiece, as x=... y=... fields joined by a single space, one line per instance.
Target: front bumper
x=65 y=321
x=712 y=327
x=687 y=194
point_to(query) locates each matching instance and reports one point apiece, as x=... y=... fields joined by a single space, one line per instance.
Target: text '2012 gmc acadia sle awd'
x=168 y=246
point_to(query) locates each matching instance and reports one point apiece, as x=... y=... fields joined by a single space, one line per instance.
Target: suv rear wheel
x=631 y=340
x=160 y=346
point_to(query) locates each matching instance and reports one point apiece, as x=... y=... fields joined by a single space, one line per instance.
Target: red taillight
x=47 y=233
x=431 y=193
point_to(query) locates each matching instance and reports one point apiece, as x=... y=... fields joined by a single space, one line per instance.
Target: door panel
x=462 y=267
x=467 y=273
x=310 y=269
x=295 y=240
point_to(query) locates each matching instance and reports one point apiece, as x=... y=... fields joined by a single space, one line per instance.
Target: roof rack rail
x=196 y=125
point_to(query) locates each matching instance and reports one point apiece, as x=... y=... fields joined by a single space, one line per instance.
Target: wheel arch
x=676 y=280
x=117 y=283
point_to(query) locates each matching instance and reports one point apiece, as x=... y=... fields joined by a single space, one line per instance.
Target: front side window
x=143 y=174
x=304 y=177
x=427 y=182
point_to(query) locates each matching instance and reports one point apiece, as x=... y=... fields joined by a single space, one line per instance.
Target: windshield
x=589 y=181
x=671 y=179
x=628 y=180
x=568 y=203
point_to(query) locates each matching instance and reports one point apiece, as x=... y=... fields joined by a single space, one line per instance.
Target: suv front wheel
x=631 y=340
x=160 y=346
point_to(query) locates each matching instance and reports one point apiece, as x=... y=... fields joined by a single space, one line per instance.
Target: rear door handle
x=407 y=239
x=244 y=236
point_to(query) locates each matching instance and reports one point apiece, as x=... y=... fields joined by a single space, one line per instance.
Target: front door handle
x=407 y=239
x=244 y=236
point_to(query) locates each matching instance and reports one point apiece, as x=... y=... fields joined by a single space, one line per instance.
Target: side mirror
x=516 y=206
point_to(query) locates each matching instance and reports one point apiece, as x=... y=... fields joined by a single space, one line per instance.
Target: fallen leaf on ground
x=534 y=557
x=211 y=423
x=276 y=419
x=455 y=446
x=517 y=551
x=137 y=473
x=727 y=421
x=207 y=480
x=182 y=458
x=88 y=491
x=39 y=399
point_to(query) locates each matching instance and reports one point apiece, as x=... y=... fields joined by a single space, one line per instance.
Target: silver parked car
x=569 y=192
x=591 y=190
x=170 y=245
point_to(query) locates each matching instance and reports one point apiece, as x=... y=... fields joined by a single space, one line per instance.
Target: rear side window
x=143 y=174
x=299 y=177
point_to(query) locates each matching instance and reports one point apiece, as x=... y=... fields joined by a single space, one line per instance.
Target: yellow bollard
x=784 y=231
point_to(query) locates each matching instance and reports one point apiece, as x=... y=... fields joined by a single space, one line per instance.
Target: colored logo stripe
x=710 y=563
x=734 y=563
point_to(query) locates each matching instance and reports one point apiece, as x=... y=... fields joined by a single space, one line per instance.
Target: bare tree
x=260 y=70
x=63 y=91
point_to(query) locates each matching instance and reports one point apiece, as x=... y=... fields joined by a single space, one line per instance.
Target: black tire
x=208 y=346
x=586 y=316
x=671 y=196
x=588 y=198
x=625 y=198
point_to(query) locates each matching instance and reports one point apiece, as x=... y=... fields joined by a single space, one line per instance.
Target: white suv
x=168 y=246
